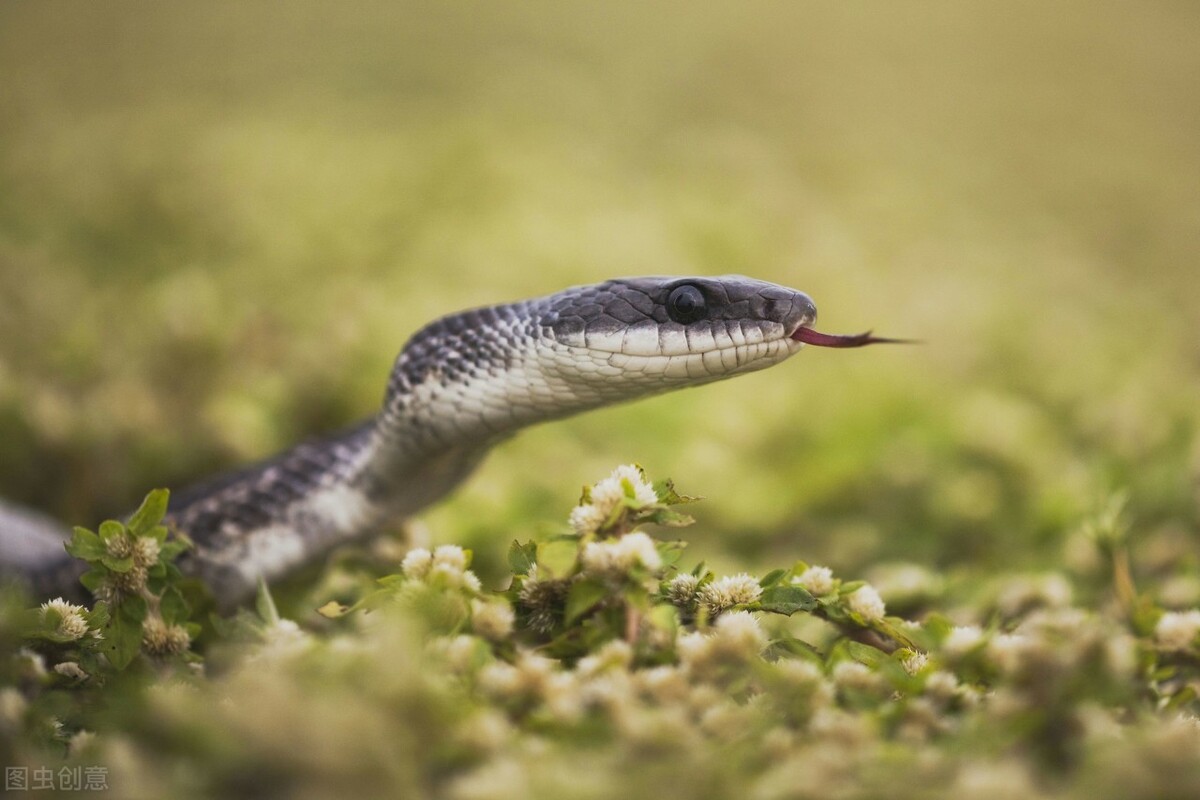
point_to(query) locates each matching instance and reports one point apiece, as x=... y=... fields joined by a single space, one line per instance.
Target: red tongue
x=818 y=339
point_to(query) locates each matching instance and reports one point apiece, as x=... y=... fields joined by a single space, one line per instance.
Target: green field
x=220 y=222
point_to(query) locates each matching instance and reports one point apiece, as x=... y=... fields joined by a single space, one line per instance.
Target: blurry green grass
x=218 y=225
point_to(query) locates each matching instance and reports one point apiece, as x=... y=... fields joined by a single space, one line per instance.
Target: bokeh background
x=219 y=222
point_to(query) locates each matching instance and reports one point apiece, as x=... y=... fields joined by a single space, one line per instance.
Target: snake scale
x=461 y=385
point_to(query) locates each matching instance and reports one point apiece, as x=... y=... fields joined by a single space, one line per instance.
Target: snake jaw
x=809 y=335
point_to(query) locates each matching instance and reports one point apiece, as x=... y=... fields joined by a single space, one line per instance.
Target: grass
x=219 y=224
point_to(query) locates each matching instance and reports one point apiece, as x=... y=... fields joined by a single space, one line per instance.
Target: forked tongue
x=818 y=339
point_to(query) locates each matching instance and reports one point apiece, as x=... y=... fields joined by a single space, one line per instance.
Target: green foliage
x=141 y=611
x=608 y=666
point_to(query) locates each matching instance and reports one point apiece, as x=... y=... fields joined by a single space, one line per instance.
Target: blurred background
x=220 y=222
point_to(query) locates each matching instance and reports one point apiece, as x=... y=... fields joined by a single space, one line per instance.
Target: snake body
x=460 y=385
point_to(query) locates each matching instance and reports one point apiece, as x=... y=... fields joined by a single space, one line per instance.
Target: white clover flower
x=450 y=555
x=962 y=639
x=491 y=620
x=605 y=496
x=853 y=675
x=71 y=669
x=12 y=708
x=471 y=581
x=643 y=491
x=71 y=623
x=119 y=546
x=563 y=698
x=160 y=638
x=915 y=662
x=417 y=563
x=692 y=648
x=280 y=640
x=500 y=679
x=662 y=684
x=941 y=684
x=460 y=652
x=729 y=591
x=616 y=654
x=616 y=557
x=739 y=633
x=587 y=518
x=1177 y=630
x=865 y=601
x=145 y=551
x=681 y=590
x=816 y=580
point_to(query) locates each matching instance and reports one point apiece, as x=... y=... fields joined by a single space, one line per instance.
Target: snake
x=461 y=385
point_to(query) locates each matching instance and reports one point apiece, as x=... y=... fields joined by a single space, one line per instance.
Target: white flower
x=145 y=551
x=608 y=494
x=587 y=518
x=738 y=632
x=1177 y=630
x=616 y=654
x=866 y=601
x=71 y=669
x=681 y=590
x=853 y=675
x=729 y=591
x=915 y=662
x=71 y=622
x=616 y=557
x=445 y=567
x=416 y=563
x=816 y=580
x=491 y=620
x=962 y=639
x=450 y=555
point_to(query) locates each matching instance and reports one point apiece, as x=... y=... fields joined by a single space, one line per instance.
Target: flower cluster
x=616 y=558
x=626 y=486
x=446 y=566
x=67 y=619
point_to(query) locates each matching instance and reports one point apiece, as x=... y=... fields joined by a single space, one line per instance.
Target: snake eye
x=686 y=304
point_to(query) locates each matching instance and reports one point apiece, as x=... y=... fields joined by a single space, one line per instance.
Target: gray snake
x=462 y=384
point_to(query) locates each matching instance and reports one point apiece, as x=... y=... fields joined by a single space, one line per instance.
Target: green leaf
x=265 y=604
x=150 y=514
x=117 y=564
x=865 y=654
x=94 y=578
x=173 y=607
x=111 y=529
x=582 y=596
x=86 y=545
x=786 y=599
x=850 y=586
x=670 y=552
x=122 y=640
x=668 y=518
x=557 y=559
x=171 y=550
x=98 y=617
x=158 y=532
x=133 y=608
x=771 y=578
x=522 y=557
x=667 y=495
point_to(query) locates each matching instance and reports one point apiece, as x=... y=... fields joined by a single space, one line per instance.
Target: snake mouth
x=808 y=335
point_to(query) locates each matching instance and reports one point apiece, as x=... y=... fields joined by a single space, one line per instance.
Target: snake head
x=657 y=333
